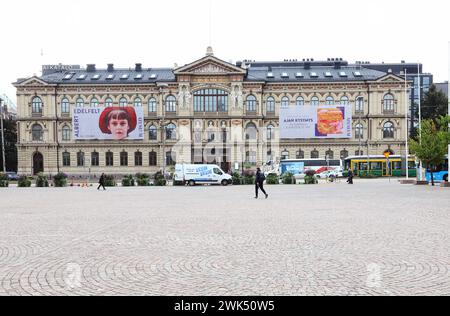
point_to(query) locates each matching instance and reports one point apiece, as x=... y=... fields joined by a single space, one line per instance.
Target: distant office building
x=443 y=87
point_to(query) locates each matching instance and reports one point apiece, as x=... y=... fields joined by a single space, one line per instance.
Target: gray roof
x=322 y=72
x=161 y=75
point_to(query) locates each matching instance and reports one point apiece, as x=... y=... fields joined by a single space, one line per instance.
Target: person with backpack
x=259 y=183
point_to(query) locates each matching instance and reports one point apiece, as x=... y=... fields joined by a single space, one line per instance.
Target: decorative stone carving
x=236 y=96
x=184 y=97
x=210 y=69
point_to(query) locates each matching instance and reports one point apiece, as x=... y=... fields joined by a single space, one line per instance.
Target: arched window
x=80 y=103
x=171 y=104
x=138 y=158
x=153 y=159
x=66 y=133
x=152 y=132
x=65 y=106
x=284 y=155
x=300 y=154
x=315 y=154
x=329 y=100
x=95 y=159
x=36 y=105
x=388 y=103
x=251 y=103
x=171 y=132
x=108 y=102
x=270 y=105
x=285 y=102
x=123 y=102
x=344 y=154
x=66 y=159
x=37 y=132
x=152 y=105
x=315 y=101
x=124 y=159
x=251 y=132
x=137 y=102
x=80 y=159
x=359 y=104
x=94 y=102
x=388 y=130
x=270 y=132
x=329 y=154
x=359 y=153
x=359 y=131
x=211 y=100
x=344 y=100
x=300 y=101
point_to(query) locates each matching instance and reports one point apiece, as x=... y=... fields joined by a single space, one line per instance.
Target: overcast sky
x=162 y=33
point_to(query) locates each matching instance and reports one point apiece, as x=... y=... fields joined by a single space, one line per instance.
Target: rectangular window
x=170 y=158
x=80 y=159
x=66 y=159
x=124 y=159
x=138 y=159
x=153 y=161
x=109 y=159
x=94 y=159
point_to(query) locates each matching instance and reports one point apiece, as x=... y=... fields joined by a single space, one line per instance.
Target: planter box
x=445 y=184
x=407 y=181
x=422 y=183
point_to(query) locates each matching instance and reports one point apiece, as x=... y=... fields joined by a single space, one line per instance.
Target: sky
x=169 y=32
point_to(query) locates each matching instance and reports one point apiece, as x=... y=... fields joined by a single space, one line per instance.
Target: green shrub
x=236 y=178
x=110 y=181
x=4 y=182
x=60 y=180
x=160 y=181
x=128 y=181
x=272 y=179
x=288 y=178
x=249 y=179
x=142 y=179
x=24 y=182
x=41 y=181
x=366 y=175
x=310 y=177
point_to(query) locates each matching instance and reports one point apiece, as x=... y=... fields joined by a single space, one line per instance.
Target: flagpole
x=406 y=124
x=420 y=116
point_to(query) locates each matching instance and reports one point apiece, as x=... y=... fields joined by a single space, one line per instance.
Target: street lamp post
x=406 y=126
x=420 y=116
x=3 y=136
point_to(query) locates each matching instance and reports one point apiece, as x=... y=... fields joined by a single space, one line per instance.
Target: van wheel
x=224 y=183
x=446 y=178
x=191 y=183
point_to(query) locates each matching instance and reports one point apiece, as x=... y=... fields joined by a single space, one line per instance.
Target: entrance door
x=38 y=163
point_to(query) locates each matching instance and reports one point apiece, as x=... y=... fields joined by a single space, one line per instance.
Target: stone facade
x=194 y=128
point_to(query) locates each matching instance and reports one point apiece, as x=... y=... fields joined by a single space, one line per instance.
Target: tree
x=10 y=130
x=431 y=150
x=434 y=104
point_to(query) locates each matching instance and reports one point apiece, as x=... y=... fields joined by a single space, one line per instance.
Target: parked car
x=201 y=174
x=12 y=176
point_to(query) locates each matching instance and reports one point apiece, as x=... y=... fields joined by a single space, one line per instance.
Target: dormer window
x=153 y=76
x=313 y=75
x=68 y=76
x=342 y=74
x=110 y=77
x=124 y=77
x=270 y=75
x=284 y=75
x=299 y=75
x=328 y=74
x=357 y=74
x=138 y=77
x=95 y=77
x=81 y=77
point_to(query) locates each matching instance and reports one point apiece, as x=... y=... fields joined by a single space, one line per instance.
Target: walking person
x=259 y=183
x=101 y=182
x=350 y=177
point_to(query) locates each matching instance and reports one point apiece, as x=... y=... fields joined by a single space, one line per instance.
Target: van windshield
x=218 y=171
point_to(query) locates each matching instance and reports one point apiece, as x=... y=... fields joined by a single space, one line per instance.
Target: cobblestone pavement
x=374 y=238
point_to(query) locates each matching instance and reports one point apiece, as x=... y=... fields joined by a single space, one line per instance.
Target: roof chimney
x=138 y=67
x=307 y=65
x=239 y=64
x=90 y=68
x=110 y=67
x=337 y=65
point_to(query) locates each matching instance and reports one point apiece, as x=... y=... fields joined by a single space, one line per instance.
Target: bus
x=378 y=166
x=440 y=173
x=298 y=167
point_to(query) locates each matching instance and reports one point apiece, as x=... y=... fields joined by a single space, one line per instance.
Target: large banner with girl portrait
x=103 y=123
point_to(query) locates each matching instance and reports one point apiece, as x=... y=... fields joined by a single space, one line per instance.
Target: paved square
x=373 y=238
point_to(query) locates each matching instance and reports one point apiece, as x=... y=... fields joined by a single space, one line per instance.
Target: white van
x=201 y=174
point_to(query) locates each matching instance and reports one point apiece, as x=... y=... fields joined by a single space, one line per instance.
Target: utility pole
x=3 y=136
x=448 y=154
x=419 y=83
x=406 y=125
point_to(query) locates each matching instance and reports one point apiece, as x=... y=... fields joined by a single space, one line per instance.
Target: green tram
x=378 y=166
